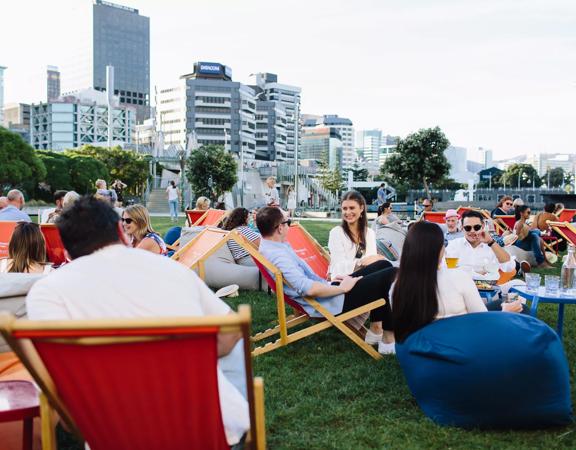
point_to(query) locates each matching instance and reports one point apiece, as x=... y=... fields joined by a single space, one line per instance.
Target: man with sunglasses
x=349 y=292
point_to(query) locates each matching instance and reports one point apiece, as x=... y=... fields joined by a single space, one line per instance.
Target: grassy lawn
x=324 y=393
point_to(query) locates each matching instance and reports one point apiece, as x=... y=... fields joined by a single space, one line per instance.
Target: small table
x=542 y=297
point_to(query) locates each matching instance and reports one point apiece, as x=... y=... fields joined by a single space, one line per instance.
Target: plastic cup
x=533 y=281
x=451 y=263
x=552 y=284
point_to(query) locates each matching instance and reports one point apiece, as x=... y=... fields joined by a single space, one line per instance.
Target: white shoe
x=228 y=291
x=372 y=338
x=386 y=349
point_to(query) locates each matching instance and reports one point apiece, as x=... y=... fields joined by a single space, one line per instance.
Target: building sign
x=206 y=68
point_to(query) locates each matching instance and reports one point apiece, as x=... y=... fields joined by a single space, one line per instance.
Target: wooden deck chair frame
x=566 y=215
x=321 y=250
x=561 y=228
x=200 y=221
x=285 y=323
x=94 y=332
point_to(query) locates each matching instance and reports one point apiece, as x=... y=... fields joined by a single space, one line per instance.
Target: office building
x=322 y=145
x=458 y=157
x=17 y=115
x=2 y=69
x=271 y=134
x=487 y=157
x=267 y=88
x=73 y=121
x=345 y=130
x=208 y=103
x=116 y=36
x=374 y=147
x=543 y=162
x=52 y=83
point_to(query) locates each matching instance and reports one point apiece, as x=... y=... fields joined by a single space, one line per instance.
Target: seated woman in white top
x=424 y=291
x=26 y=251
x=352 y=244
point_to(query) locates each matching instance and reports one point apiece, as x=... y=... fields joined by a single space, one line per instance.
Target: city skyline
x=497 y=75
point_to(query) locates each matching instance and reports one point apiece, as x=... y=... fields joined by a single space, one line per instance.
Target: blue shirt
x=299 y=275
x=381 y=196
x=13 y=214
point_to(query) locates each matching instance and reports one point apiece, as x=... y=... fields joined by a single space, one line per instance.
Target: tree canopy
x=554 y=177
x=521 y=175
x=211 y=171
x=419 y=160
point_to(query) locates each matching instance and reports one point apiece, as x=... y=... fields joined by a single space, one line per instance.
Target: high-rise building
x=487 y=157
x=267 y=88
x=458 y=158
x=52 y=83
x=322 y=144
x=117 y=36
x=207 y=102
x=270 y=131
x=17 y=119
x=75 y=120
x=345 y=130
x=2 y=69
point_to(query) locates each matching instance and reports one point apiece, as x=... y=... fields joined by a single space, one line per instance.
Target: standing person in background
x=381 y=195
x=173 y=196
x=102 y=190
x=13 y=210
x=119 y=187
x=291 y=206
x=271 y=197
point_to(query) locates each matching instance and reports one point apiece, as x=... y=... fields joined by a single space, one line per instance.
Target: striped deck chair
x=135 y=384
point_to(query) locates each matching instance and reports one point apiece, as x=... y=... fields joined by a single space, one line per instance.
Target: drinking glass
x=552 y=283
x=533 y=281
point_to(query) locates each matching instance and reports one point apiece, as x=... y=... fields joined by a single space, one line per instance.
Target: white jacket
x=343 y=251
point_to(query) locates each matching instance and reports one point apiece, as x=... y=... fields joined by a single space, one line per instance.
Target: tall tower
x=52 y=83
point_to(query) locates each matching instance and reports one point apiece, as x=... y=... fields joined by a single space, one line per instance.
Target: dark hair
x=382 y=185
x=237 y=218
x=502 y=200
x=172 y=183
x=549 y=207
x=472 y=213
x=88 y=225
x=382 y=207
x=362 y=220
x=26 y=248
x=268 y=219
x=59 y=195
x=415 y=299
x=519 y=210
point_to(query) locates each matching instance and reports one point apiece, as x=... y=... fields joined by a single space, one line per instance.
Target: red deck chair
x=309 y=250
x=194 y=215
x=6 y=231
x=136 y=384
x=213 y=218
x=566 y=230
x=506 y=223
x=55 y=251
x=438 y=217
x=566 y=215
x=275 y=282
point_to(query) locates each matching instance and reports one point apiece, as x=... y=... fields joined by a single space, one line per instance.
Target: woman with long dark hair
x=26 y=251
x=352 y=244
x=238 y=220
x=425 y=290
x=529 y=240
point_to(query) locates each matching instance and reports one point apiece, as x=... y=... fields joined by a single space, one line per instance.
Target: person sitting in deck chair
x=347 y=293
x=108 y=280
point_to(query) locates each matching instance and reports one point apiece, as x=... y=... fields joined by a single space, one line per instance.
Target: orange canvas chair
x=434 y=216
x=309 y=250
x=566 y=230
x=506 y=223
x=55 y=251
x=193 y=216
x=136 y=384
x=208 y=218
x=566 y=215
x=6 y=231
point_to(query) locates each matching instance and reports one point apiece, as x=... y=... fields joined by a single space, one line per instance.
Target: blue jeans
x=173 y=208
x=532 y=243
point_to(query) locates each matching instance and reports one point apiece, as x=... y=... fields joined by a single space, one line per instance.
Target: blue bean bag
x=488 y=370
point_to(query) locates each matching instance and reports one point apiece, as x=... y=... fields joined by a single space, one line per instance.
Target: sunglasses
x=127 y=220
x=509 y=203
x=286 y=222
x=469 y=228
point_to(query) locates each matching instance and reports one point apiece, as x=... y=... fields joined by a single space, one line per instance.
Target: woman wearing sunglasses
x=136 y=224
x=505 y=207
x=352 y=244
x=529 y=240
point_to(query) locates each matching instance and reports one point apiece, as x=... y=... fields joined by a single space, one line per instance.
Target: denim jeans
x=532 y=243
x=173 y=208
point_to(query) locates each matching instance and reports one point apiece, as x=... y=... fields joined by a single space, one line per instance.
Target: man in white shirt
x=107 y=279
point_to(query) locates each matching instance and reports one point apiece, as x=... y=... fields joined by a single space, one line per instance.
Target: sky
x=498 y=74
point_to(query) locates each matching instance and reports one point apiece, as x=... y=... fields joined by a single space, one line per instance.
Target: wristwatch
x=490 y=244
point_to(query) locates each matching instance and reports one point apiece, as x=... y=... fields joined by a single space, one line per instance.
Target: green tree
x=211 y=171
x=84 y=171
x=330 y=177
x=521 y=175
x=419 y=160
x=19 y=165
x=359 y=173
x=128 y=166
x=554 y=177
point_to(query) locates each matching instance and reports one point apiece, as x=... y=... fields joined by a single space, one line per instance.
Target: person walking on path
x=173 y=196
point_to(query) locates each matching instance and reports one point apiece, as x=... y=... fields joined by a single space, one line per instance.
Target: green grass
x=324 y=393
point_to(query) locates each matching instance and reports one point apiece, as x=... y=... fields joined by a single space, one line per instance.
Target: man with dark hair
x=109 y=280
x=50 y=215
x=351 y=291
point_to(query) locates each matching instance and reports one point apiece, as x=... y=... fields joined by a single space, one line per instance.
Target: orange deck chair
x=434 y=216
x=210 y=217
x=275 y=280
x=6 y=231
x=566 y=230
x=566 y=215
x=135 y=384
x=506 y=223
x=193 y=216
x=309 y=250
x=54 y=246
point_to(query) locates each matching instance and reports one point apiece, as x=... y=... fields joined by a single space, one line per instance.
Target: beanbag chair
x=488 y=370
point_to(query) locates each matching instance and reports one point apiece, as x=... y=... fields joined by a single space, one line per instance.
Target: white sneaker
x=386 y=349
x=372 y=338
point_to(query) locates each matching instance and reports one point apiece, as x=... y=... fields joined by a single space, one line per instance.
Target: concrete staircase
x=158 y=202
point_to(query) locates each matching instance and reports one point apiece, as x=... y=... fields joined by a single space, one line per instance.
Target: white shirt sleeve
x=44 y=303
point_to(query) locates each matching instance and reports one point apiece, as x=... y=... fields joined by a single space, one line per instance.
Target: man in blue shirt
x=381 y=195
x=12 y=212
x=360 y=288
